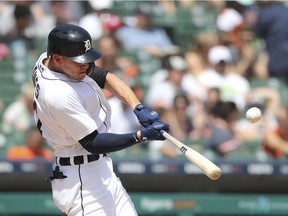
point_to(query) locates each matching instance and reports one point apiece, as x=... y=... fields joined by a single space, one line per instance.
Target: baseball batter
x=72 y=113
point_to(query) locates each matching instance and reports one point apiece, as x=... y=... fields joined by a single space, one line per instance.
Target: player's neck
x=51 y=65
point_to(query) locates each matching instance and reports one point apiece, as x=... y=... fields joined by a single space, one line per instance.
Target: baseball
x=253 y=114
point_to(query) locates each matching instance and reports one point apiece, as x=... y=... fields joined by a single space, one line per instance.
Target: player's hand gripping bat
x=208 y=167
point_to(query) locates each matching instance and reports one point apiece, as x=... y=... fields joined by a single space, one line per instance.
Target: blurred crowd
x=200 y=64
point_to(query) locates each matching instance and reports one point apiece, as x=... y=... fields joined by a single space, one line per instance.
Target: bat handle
x=163 y=133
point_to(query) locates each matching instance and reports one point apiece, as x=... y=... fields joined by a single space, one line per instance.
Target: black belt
x=65 y=161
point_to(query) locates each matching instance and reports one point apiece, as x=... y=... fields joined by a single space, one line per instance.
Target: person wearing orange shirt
x=34 y=148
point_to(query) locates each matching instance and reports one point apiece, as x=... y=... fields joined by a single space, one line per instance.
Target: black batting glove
x=146 y=116
x=153 y=132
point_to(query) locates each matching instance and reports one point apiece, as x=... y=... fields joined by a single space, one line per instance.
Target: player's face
x=73 y=69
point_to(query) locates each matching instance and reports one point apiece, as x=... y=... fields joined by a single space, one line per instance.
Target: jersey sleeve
x=72 y=117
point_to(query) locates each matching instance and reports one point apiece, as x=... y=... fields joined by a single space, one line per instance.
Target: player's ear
x=56 y=58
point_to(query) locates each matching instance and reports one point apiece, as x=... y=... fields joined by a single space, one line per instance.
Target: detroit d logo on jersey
x=87 y=45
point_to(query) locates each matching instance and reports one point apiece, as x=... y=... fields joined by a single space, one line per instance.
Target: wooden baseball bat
x=208 y=167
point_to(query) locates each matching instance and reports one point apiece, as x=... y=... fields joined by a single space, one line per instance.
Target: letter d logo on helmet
x=87 y=45
x=73 y=42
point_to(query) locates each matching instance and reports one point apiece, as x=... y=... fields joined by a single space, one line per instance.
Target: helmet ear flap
x=90 y=68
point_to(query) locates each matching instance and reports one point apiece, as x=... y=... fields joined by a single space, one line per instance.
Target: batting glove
x=146 y=116
x=153 y=132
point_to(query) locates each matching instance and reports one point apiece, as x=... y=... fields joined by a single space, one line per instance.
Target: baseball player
x=72 y=113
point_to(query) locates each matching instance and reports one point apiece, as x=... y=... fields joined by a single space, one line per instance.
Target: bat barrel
x=207 y=166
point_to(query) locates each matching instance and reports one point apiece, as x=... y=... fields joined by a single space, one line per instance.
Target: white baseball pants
x=92 y=189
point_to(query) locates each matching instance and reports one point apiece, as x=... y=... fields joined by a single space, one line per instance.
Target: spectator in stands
x=203 y=112
x=167 y=83
x=197 y=57
x=229 y=23
x=48 y=14
x=197 y=61
x=109 y=47
x=271 y=25
x=213 y=96
x=17 y=39
x=18 y=116
x=143 y=36
x=222 y=75
x=110 y=22
x=235 y=33
x=6 y=16
x=275 y=141
x=212 y=76
x=60 y=13
x=181 y=123
x=113 y=61
x=98 y=15
x=33 y=148
x=222 y=137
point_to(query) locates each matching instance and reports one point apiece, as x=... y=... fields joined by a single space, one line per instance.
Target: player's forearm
x=100 y=143
x=121 y=90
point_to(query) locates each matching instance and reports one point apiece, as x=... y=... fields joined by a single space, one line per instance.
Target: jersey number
x=36 y=90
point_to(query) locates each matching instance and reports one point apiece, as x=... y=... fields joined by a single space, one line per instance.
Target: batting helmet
x=73 y=42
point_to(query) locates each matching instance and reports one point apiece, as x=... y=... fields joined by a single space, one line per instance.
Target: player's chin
x=81 y=76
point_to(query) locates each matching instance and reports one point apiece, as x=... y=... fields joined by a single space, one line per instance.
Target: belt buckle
x=72 y=161
x=85 y=159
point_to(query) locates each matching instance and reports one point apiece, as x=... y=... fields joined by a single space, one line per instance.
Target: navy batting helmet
x=73 y=42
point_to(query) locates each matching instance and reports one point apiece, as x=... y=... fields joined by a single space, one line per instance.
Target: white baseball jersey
x=67 y=110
